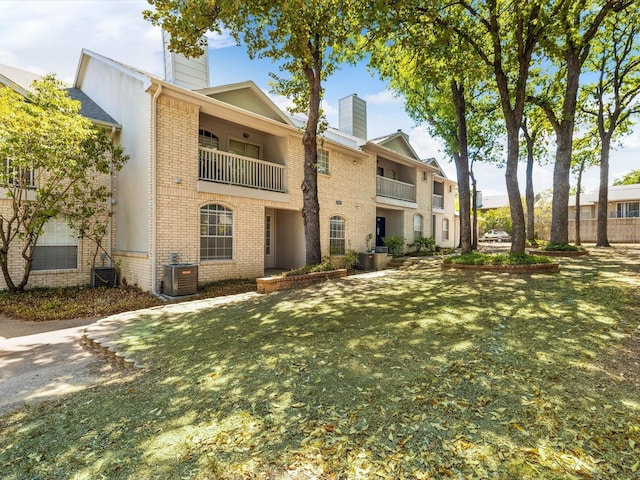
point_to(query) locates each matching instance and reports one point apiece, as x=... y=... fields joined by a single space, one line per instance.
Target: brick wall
x=348 y=190
x=52 y=278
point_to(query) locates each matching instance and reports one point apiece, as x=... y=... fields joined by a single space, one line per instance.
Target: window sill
x=56 y=270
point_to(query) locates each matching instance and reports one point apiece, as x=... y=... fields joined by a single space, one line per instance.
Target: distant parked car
x=496 y=236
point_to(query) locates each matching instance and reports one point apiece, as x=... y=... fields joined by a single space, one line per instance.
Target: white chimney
x=189 y=73
x=353 y=116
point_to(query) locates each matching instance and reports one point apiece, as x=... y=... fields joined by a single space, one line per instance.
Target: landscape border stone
x=533 y=268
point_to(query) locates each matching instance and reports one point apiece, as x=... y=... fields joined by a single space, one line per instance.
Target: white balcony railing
x=224 y=167
x=438 y=201
x=387 y=187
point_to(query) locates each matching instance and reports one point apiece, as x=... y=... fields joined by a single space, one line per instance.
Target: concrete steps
x=402 y=262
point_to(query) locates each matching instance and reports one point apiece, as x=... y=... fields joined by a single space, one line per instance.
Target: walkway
x=43 y=360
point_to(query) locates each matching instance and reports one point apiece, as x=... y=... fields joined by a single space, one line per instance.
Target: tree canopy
x=52 y=156
x=454 y=64
x=451 y=96
x=631 y=178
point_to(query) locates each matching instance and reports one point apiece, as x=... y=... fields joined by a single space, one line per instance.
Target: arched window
x=216 y=233
x=207 y=139
x=336 y=235
x=418 y=226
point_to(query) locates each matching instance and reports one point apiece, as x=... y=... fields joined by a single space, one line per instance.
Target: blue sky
x=48 y=36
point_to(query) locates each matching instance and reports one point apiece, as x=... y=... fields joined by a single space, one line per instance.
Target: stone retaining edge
x=108 y=351
x=272 y=284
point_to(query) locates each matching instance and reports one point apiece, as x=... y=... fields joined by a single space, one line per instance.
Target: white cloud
x=385 y=97
x=283 y=103
x=632 y=141
x=220 y=40
x=45 y=36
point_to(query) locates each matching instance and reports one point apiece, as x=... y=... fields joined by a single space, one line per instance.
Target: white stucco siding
x=124 y=98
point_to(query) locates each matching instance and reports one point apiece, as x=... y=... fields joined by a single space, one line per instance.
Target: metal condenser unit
x=180 y=279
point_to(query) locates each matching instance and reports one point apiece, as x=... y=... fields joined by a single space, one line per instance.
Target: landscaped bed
x=44 y=304
x=412 y=374
x=501 y=262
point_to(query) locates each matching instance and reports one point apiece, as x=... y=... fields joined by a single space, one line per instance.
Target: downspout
x=111 y=136
x=154 y=149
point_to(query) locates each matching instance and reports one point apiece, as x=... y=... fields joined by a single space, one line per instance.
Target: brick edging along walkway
x=272 y=284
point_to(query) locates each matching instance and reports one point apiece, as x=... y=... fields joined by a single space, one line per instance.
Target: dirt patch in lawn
x=420 y=373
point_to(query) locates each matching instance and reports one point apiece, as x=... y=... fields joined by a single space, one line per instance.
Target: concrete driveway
x=42 y=360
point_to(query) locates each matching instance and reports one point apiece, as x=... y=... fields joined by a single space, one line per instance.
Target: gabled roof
x=17 y=79
x=21 y=82
x=398 y=142
x=90 y=109
x=248 y=96
x=141 y=75
x=432 y=162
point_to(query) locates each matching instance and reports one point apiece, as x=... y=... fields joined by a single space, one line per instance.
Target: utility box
x=180 y=279
x=103 y=277
x=366 y=261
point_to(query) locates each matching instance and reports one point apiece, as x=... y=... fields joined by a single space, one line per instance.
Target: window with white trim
x=323 y=161
x=445 y=229
x=336 y=235
x=57 y=247
x=216 y=232
x=418 y=226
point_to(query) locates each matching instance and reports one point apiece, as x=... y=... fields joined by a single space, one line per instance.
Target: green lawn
x=420 y=373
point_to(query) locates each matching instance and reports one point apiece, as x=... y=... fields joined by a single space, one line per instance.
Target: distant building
x=489 y=202
x=623 y=212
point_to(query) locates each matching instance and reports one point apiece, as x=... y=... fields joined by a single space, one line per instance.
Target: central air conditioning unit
x=180 y=279
x=103 y=277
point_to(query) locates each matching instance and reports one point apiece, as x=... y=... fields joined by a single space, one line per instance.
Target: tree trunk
x=310 y=204
x=578 y=192
x=27 y=256
x=513 y=191
x=5 y=236
x=575 y=54
x=561 y=174
x=474 y=209
x=602 y=239
x=461 y=160
x=564 y=146
x=4 y=265
x=529 y=193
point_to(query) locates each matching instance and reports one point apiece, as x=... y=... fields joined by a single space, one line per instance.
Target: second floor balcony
x=231 y=169
x=387 y=187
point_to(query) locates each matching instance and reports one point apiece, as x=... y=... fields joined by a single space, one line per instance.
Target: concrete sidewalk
x=43 y=360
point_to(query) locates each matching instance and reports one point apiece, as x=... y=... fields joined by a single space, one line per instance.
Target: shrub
x=562 y=247
x=475 y=258
x=350 y=258
x=395 y=244
x=428 y=243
